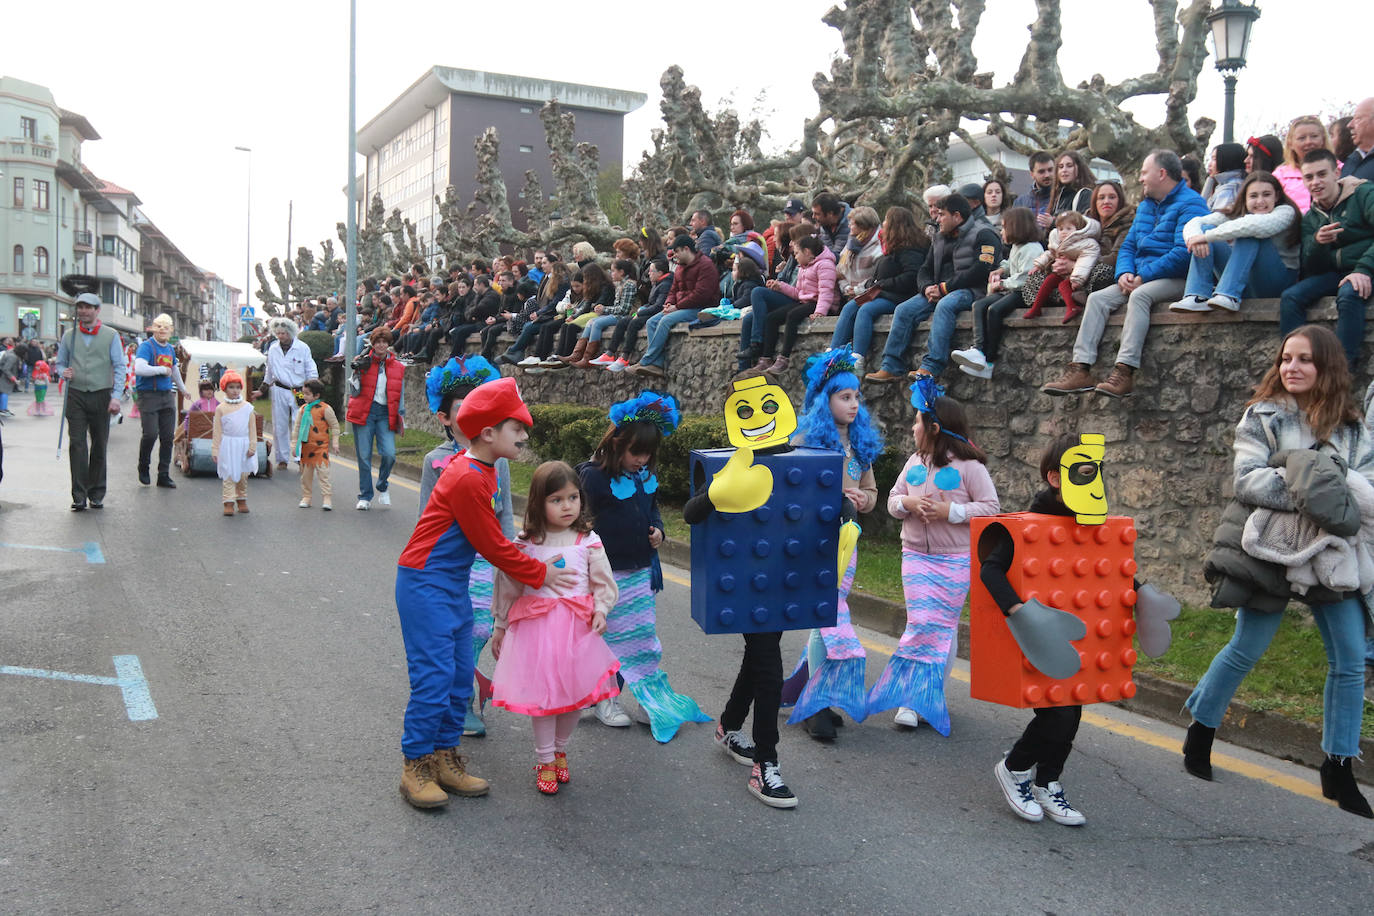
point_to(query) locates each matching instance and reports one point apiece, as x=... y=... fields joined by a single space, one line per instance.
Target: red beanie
x=489 y=405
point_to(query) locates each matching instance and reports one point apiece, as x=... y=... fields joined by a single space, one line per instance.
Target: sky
x=172 y=87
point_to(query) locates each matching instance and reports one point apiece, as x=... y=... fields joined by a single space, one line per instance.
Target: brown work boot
x=228 y=508
x=450 y=769
x=418 y=786
x=1075 y=380
x=882 y=375
x=243 y=507
x=1120 y=383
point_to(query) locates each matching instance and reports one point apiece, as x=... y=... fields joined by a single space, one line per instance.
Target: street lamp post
x=248 y=241
x=1230 y=23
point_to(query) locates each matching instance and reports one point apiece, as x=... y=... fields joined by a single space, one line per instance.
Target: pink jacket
x=815 y=283
x=965 y=484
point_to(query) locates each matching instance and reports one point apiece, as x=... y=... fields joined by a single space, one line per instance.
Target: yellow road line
x=1143 y=735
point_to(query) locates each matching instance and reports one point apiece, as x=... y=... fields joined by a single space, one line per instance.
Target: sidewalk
x=1155 y=697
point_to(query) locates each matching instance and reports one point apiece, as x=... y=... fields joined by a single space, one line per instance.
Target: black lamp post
x=1230 y=24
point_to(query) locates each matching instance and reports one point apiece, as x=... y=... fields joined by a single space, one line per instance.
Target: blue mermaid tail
x=916 y=685
x=667 y=710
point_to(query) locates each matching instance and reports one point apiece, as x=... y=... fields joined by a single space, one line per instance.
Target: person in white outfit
x=289 y=365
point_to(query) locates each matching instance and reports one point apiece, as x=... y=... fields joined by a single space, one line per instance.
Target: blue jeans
x=1298 y=298
x=378 y=426
x=598 y=325
x=762 y=299
x=658 y=328
x=1342 y=630
x=855 y=325
x=905 y=317
x=1242 y=269
x=942 y=329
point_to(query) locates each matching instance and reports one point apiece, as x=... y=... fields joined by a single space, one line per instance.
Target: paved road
x=267 y=780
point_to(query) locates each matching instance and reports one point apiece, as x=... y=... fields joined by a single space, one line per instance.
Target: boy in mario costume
x=432 y=599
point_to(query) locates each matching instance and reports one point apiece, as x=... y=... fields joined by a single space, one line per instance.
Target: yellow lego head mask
x=758 y=414
x=1080 y=479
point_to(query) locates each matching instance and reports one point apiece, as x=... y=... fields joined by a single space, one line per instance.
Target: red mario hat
x=490 y=404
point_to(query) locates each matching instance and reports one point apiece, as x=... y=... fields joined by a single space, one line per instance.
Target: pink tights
x=552 y=733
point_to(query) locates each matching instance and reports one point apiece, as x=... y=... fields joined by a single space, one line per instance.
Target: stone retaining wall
x=1168 y=445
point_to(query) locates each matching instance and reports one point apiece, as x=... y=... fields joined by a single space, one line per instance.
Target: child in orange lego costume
x=1087 y=564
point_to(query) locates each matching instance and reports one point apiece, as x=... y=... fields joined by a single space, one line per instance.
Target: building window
x=525 y=109
x=40 y=195
x=19 y=192
x=28 y=127
x=40 y=261
x=526 y=148
x=19 y=259
x=107 y=244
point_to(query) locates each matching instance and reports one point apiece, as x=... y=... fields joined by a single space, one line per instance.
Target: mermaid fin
x=916 y=685
x=837 y=682
x=666 y=709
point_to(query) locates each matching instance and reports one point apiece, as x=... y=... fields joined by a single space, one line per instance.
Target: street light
x=1231 y=24
x=248 y=242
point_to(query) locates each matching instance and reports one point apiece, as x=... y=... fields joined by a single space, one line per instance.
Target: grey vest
x=90 y=363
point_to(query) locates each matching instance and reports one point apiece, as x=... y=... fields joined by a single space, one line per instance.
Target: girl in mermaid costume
x=831 y=670
x=445 y=387
x=620 y=486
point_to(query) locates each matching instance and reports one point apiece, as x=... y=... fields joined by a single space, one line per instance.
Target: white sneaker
x=983 y=373
x=363 y=505
x=1056 y=807
x=384 y=497
x=1016 y=786
x=610 y=713
x=906 y=718
x=858 y=365
x=1222 y=301
x=1190 y=304
x=619 y=365
x=529 y=361
x=605 y=359
x=973 y=358
x=304 y=504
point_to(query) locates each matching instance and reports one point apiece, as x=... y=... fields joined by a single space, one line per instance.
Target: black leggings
x=786 y=319
x=489 y=337
x=548 y=334
x=759 y=683
x=627 y=332
x=1046 y=742
x=988 y=315
x=458 y=337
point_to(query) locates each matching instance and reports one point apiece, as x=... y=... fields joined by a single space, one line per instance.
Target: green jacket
x=1353 y=251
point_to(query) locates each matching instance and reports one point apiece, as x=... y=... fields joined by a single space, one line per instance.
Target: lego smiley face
x=758 y=414
x=1080 y=479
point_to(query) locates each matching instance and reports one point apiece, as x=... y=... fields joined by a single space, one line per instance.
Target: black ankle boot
x=1338 y=782
x=1197 y=751
x=820 y=726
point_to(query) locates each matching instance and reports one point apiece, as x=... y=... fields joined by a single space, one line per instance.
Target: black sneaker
x=143 y=477
x=167 y=483
x=765 y=784
x=736 y=744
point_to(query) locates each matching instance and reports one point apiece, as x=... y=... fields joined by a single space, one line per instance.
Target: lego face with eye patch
x=758 y=414
x=1080 y=479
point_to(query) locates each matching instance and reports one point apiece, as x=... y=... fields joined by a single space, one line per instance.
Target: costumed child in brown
x=235 y=446
x=316 y=436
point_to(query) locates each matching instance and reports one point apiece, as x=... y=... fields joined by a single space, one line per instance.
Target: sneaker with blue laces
x=1016 y=786
x=1056 y=807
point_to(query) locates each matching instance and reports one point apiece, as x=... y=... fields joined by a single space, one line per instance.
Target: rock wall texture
x=1168 y=445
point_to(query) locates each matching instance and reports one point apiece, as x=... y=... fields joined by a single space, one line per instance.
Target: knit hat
x=489 y=405
x=230 y=378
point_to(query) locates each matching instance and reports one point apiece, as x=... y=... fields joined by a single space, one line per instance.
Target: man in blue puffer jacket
x=1151 y=266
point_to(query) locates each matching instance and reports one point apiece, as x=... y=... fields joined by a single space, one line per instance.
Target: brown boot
x=882 y=375
x=1120 y=383
x=577 y=352
x=450 y=770
x=228 y=508
x=243 y=507
x=1075 y=380
x=418 y=786
x=593 y=348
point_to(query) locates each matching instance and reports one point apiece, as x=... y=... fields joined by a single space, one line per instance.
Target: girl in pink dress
x=551 y=662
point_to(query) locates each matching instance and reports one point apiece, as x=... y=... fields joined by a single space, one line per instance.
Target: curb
x=1156 y=697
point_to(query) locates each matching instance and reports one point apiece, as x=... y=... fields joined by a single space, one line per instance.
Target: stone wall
x=1168 y=445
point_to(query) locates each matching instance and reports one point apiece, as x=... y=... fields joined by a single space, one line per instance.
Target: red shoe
x=560 y=766
x=546 y=778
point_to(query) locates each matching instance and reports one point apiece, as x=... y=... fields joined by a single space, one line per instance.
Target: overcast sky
x=172 y=87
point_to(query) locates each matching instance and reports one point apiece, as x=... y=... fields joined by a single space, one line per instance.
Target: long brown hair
x=639 y=437
x=1331 y=403
x=1293 y=234
x=594 y=280
x=548 y=479
x=940 y=447
x=900 y=231
x=557 y=275
x=1083 y=178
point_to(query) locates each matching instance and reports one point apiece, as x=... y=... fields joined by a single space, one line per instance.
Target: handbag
x=868 y=292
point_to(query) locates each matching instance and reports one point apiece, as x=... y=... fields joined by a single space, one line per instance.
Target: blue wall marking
x=138 y=700
x=90 y=550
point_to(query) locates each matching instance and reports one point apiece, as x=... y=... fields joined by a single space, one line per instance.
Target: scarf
x=304 y=432
x=95 y=329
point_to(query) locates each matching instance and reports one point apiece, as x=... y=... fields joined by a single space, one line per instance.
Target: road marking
x=90 y=550
x=138 y=700
x=1134 y=732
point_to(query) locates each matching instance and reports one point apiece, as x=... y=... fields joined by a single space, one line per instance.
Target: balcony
x=82 y=242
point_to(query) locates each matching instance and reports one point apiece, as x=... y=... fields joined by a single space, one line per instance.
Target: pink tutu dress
x=551 y=662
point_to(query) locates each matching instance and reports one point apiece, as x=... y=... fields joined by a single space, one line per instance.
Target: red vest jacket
x=359 y=406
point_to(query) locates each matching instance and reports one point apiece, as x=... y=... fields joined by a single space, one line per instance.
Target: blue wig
x=816 y=427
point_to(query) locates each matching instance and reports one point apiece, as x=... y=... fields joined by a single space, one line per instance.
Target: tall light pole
x=1231 y=22
x=248 y=242
x=351 y=242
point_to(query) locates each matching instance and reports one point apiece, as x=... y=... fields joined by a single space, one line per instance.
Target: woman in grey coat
x=1300 y=436
x=11 y=369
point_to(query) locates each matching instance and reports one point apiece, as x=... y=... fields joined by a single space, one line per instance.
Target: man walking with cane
x=90 y=359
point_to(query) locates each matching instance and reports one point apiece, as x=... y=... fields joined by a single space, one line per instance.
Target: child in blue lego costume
x=831 y=670
x=432 y=598
x=620 y=487
x=759 y=421
x=445 y=387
